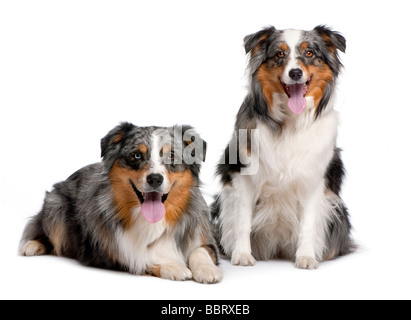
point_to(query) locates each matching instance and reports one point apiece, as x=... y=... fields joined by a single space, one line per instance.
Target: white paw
x=307 y=263
x=33 y=248
x=175 y=271
x=208 y=274
x=242 y=259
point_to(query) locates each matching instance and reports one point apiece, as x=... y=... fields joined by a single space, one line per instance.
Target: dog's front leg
x=311 y=238
x=236 y=220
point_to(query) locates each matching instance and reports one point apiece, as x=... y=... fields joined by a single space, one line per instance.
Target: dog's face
x=152 y=168
x=300 y=65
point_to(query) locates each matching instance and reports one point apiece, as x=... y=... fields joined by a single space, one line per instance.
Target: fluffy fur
x=290 y=207
x=95 y=216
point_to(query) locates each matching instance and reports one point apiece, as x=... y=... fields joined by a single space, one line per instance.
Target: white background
x=72 y=70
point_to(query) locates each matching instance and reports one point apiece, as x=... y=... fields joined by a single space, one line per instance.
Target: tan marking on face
x=124 y=196
x=269 y=79
x=142 y=148
x=304 y=45
x=179 y=196
x=320 y=76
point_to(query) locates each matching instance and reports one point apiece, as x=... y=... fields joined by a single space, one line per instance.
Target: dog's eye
x=170 y=157
x=309 y=53
x=280 y=54
x=138 y=155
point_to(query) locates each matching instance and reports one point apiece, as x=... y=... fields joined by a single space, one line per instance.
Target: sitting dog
x=139 y=210
x=281 y=186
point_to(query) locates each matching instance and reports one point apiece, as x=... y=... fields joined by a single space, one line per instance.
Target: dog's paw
x=176 y=272
x=33 y=248
x=242 y=259
x=208 y=274
x=307 y=263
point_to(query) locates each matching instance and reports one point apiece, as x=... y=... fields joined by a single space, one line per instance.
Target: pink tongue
x=153 y=209
x=297 y=102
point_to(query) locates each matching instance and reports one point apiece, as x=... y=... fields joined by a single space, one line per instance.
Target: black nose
x=296 y=74
x=155 y=180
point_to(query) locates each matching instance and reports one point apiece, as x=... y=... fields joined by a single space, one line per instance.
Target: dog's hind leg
x=34 y=241
x=46 y=232
x=33 y=248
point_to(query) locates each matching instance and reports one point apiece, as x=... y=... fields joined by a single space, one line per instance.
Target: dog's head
x=152 y=168
x=299 y=65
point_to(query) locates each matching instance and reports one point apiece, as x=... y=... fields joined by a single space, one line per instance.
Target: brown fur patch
x=331 y=254
x=142 y=148
x=211 y=253
x=258 y=46
x=179 y=196
x=166 y=149
x=57 y=238
x=124 y=195
x=117 y=138
x=269 y=79
x=329 y=43
x=320 y=75
x=155 y=271
x=304 y=45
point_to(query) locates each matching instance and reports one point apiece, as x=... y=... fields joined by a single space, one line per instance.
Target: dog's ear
x=194 y=146
x=257 y=44
x=333 y=40
x=257 y=41
x=111 y=142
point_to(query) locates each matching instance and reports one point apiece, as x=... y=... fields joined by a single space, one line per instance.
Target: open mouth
x=152 y=204
x=292 y=88
x=150 y=195
x=296 y=95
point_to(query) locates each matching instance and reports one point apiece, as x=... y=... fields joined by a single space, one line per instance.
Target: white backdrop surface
x=72 y=70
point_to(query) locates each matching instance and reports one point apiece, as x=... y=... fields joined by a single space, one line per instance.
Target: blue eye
x=138 y=155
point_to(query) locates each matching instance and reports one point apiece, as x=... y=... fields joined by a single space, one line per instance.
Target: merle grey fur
x=84 y=203
x=262 y=47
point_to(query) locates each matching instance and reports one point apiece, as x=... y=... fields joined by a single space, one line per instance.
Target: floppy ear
x=332 y=39
x=257 y=40
x=111 y=142
x=195 y=144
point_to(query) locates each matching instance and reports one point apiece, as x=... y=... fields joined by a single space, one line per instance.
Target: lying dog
x=139 y=210
x=289 y=205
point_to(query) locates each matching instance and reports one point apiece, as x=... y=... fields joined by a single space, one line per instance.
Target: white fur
x=32 y=248
x=159 y=139
x=285 y=202
x=292 y=38
x=203 y=268
x=146 y=245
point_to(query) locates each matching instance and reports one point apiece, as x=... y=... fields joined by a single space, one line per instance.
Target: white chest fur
x=300 y=153
x=292 y=164
x=144 y=244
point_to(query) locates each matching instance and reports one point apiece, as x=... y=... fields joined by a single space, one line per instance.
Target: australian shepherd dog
x=139 y=210
x=282 y=171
